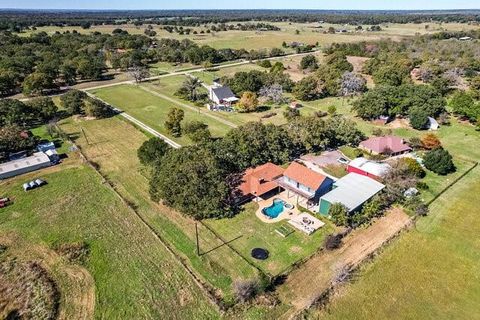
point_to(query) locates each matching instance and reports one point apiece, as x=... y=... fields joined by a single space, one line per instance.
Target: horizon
x=150 y=5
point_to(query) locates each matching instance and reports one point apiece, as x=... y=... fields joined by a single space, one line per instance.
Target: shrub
x=430 y=141
x=333 y=241
x=439 y=161
x=245 y=290
x=338 y=212
x=414 y=167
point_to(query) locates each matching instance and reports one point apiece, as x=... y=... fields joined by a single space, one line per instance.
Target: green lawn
x=153 y=110
x=135 y=276
x=250 y=232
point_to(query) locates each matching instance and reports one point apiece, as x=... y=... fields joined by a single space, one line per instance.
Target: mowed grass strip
x=135 y=276
x=112 y=145
x=429 y=273
x=153 y=110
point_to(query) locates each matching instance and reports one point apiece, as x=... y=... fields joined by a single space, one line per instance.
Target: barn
x=14 y=168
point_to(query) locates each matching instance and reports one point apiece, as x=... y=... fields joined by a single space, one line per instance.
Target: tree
x=36 y=83
x=173 y=122
x=392 y=75
x=190 y=89
x=248 y=102
x=462 y=103
x=152 y=151
x=308 y=89
x=190 y=180
x=96 y=108
x=273 y=93
x=253 y=144
x=265 y=63
x=74 y=101
x=339 y=214
x=430 y=141
x=44 y=107
x=352 y=84
x=439 y=161
x=277 y=67
x=14 y=139
x=139 y=73
x=291 y=113
x=13 y=111
x=418 y=118
x=197 y=131
x=309 y=62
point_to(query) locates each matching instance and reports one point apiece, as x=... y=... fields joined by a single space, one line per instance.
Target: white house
x=221 y=95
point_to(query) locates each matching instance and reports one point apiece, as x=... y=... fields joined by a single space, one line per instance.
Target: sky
x=243 y=4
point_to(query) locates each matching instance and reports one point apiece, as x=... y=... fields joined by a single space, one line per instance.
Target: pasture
x=127 y=273
x=112 y=145
x=153 y=110
x=428 y=273
x=309 y=33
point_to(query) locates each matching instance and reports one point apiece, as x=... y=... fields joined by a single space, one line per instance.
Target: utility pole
x=83 y=131
x=196 y=236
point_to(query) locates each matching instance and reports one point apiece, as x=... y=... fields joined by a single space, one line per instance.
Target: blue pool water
x=275 y=209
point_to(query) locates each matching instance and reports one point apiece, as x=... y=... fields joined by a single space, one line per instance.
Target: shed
x=368 y=168
x=352 y=191
x=432 y=124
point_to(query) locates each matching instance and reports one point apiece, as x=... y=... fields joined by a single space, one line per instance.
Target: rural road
x=139 y=123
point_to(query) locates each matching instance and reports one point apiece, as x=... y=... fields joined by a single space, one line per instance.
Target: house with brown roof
x=305 y=183
x=260 y=182
x=387 y=145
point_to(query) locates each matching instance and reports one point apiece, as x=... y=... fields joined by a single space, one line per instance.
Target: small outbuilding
x=432 y=124
x=372 y=169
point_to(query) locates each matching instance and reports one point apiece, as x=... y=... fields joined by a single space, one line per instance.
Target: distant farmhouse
x=221 y=95
x=388 y=145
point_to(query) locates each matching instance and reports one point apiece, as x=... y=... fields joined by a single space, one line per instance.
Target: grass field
x=250 y=232
x=309 y=33
x=429 y=273
x=134 y=275
x=153 y=110
x=112 y=146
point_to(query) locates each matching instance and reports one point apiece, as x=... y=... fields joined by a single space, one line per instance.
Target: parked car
x=342 y=160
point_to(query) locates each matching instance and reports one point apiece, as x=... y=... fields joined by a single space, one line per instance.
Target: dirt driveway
x=304 y=285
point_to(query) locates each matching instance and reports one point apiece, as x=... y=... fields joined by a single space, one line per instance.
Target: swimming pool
x=275 y=209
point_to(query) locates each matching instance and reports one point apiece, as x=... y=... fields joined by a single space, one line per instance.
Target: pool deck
x=286 y=214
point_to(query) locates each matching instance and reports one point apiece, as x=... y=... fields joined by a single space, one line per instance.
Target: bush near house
x=439 y=161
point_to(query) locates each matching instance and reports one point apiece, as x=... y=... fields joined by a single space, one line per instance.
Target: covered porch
x=302 y=198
